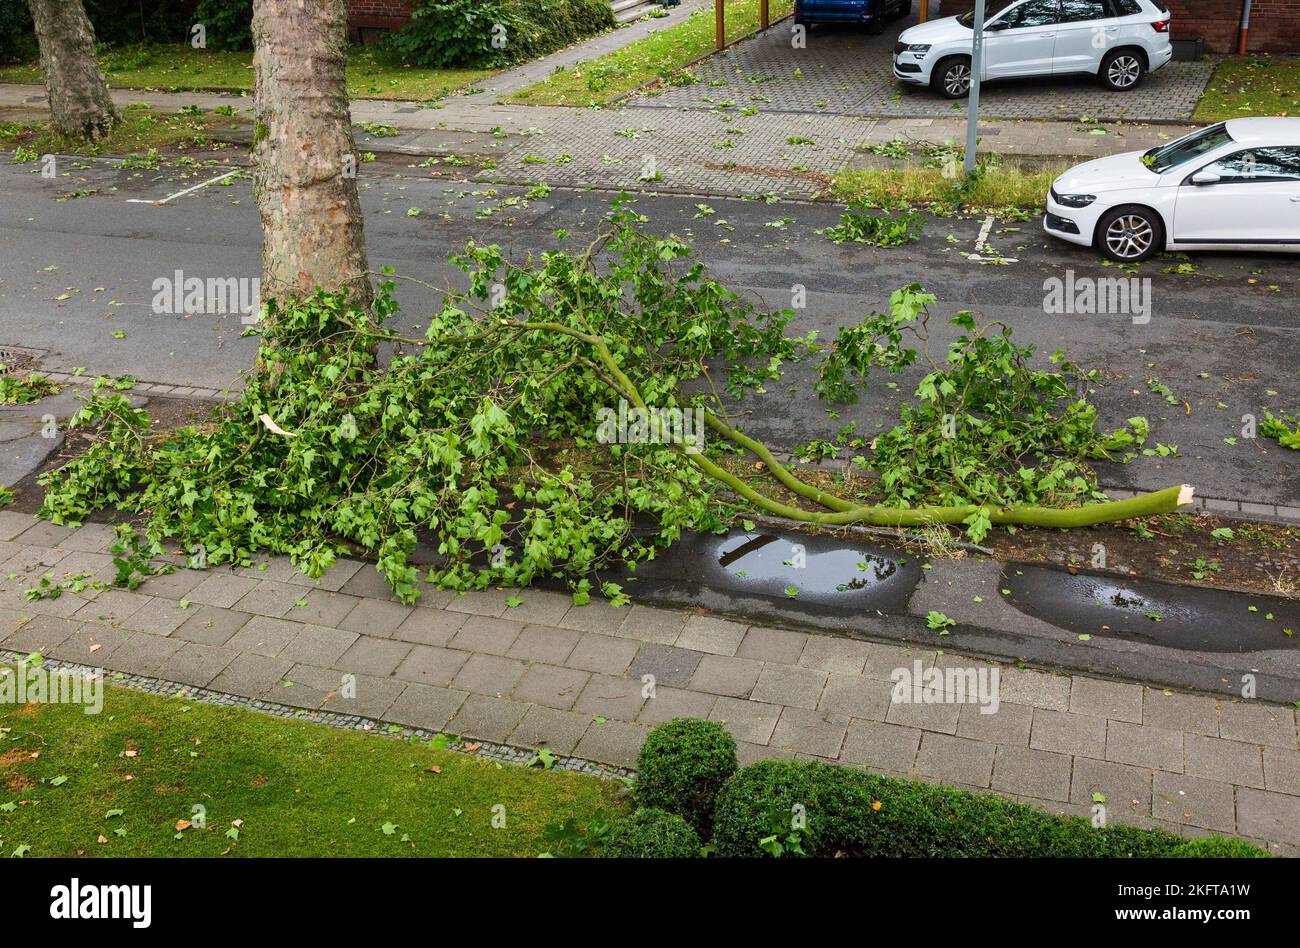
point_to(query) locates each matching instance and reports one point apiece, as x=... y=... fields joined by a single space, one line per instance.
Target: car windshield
x=968 y=19
x=1170 y=156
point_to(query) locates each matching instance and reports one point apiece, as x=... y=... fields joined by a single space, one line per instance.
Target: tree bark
x=79 y=100
x=304 y=155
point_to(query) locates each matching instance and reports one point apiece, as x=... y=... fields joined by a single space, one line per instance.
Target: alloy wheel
x=1129 y=236
x=1124 y=71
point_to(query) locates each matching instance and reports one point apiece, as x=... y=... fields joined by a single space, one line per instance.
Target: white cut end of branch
x=1185 y=494
x=272 y=427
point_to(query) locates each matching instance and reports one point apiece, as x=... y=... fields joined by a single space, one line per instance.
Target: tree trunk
x=78 y=93
x=305 y=159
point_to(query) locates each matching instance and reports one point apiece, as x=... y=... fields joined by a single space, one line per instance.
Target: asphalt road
x=76 y=270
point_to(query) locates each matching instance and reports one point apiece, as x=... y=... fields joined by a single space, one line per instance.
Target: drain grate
x=15 y=359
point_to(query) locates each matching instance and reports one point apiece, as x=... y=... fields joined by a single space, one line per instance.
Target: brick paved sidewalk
x=572 y=679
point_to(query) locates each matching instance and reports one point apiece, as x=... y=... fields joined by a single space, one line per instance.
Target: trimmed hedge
x=1218 y=847
x=651 y=834
x=682 y=766
x=861 y=814
x=459 y=33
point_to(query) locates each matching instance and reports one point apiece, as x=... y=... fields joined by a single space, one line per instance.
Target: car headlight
x=919 y=48
x=1075 y=200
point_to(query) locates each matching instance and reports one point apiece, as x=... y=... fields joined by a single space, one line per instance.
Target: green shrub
x=651 y=834
x=17 y=39
x=682 y=766
x=229 y=23
x=460 y=33
x=860 y=814
x=1218 y=847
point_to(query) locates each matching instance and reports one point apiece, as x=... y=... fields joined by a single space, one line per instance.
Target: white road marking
x=172 y=197
x=978 y=255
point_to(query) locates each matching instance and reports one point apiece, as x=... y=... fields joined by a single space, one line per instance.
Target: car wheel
x=1121 y=70
x=1130 y=234
x=951 y=78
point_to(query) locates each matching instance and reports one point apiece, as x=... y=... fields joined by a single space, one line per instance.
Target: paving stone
x=424 y=706
x=431 y=665
x=198 y=665
x=1254 y=723
x=376 y=657
x=318 y=645
x=558 y=731
x=91 y=567
x=835 y=655
x=1180 y=799
x=772 y=645
x=669 y=665
x=1225 y=761
x=609 y=697
x=711 y=634
x=1106 y=699
x=552 y=686
x=1266 y=815
x=369 y=583
x=63 y=607
x=482 y=602
x=881 y=746
x=605 y=654
x=41 y=634
x=157 y=617
x=649 y=624
x=941 y=717
x=790 y=685
x=145 y=655
x=1035 y=773
x=486 y=634
x=489 y=675
x=12 y=524
x=93 y=644
x=1282 y=770
x=305 y=686
x=332 y=580
x=595 y=616
x=614 y=742
x=665 y=704
x=955 y=759
x=1197 y=714
x=1066 y=733
x=376 y=617
x=1127 y=789
x=1144 y=746
x=487 y=719
x=747 y=753
x=1035 y=689
x=323 y=607
x=430 y=626
x=278 y=569
x=1009 y=725
x=222 y=589
x=174 y=585
x=43 y=533
x=539 y=606
x=210 y=625
x=883 y=660
x=856 y=696
x=746 y=720
x=820 y=733
x=90 y=538
x=112 y=606
x=262 y=635
x=543 y=643
x=723 y=675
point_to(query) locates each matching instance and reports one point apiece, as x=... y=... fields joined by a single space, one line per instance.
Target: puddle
x=1180 y=617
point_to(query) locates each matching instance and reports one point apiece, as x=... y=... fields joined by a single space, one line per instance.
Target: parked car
x=873 y=13
x=1232 y=186
x=1118 y=41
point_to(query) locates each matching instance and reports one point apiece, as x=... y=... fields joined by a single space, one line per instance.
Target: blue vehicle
x=873 y=13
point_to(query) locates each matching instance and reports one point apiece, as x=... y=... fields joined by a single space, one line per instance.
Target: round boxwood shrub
x=651 y=834
x=682 y=766
x=1218 y=847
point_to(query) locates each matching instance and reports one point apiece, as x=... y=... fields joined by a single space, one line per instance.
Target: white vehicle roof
x=1265 y=131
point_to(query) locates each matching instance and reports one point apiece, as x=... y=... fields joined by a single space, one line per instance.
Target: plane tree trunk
x=80 y=103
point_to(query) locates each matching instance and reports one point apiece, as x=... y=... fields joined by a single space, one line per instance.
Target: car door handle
x=1295 y=200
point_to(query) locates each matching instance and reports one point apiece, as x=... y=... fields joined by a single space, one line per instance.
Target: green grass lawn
x=295 y=788
x=180 y=68
x=140 y=130
x=657 y=56
x=1251 y=85
x=1000 y=187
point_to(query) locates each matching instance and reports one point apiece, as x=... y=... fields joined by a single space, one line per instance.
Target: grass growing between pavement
x=1254 y=85
x=179 y=68
x=997 y=186
x=295 y=788
x=658 y=56
x=140 y=130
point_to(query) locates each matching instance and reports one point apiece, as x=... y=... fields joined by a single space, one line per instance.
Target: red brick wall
x=377 y=14
x=1274 y=24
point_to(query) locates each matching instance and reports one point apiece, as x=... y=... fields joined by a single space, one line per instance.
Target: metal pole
x=925 y=10
x=765 y=19
x=976 y=67
x=1245 y=28
x=720 y=23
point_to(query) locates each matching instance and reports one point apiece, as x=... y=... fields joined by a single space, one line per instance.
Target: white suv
x=1115 y=40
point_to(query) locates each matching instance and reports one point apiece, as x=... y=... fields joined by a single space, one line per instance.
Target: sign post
x=976 y=68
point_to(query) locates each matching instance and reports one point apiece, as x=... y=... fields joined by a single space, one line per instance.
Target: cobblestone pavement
x=846 y=71
x=546 y=673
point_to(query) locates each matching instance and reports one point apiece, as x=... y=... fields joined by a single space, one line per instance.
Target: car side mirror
x=996 y=26
x=1202 y=178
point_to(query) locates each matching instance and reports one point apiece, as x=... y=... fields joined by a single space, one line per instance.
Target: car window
x=1074 y=11
x=1033 y=13
x=1126 y=7
x=1168 y=157
x=1259 y=164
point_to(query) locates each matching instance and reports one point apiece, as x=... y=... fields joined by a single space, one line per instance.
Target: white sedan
x=1232 y=186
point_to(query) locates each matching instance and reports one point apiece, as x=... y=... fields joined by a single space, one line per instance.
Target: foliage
x=854 y=813
x=447 y=33
x=682 y=765
x=573 y=838
x=229 y=23
x=904 y=228
x=16 y=391
x=1218 y=847
x=17 y=39
x=1285 y=429
x=651 y=834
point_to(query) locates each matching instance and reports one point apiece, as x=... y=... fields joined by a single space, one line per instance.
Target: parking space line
x=978 y=255
x=172 y=197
